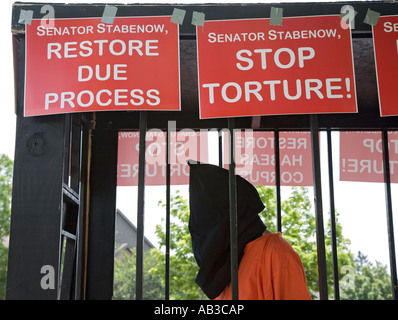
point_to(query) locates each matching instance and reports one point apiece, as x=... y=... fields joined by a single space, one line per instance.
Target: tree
x=371 y=282
x=183 y=266
x=298 y=228
x=6 y=167
x=125 y=277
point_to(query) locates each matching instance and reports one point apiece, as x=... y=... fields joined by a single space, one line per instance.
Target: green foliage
x=183 y=266
x=125 y=277
x=371 y=282
x=6 y=168
x=298 y=228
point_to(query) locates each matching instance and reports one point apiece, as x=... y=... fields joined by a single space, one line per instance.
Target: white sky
x=361 y=205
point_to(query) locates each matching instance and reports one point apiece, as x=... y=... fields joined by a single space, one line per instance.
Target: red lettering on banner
x=385 y=39
x=255 y=157
x=81 y=65
x=247 y=67
x=184 y=145
x=361 y=156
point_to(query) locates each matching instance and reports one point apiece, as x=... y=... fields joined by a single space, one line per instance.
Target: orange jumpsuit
x=270 y=269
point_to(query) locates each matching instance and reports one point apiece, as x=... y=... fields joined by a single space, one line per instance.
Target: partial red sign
x=385 y=39
x=184 y=145
x=255 y=157
x=248 y=67
x=81 y=65
x=361 y=156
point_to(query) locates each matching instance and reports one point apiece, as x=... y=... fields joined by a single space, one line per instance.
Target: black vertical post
x=36 y=208
x=141 y=206
x=75 y=155
x=220 y=147
x=233 y=213
x=333 y=219
x=278 y=181
x=390 y=226
x=67 y=149
x=320 y=234
x=85 y=154
x=167 y=270
x=102 y=212
x=36 y=198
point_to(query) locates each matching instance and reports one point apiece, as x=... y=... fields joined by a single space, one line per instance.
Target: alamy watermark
x=48 y=279
x=188 y=144
x=348 y=280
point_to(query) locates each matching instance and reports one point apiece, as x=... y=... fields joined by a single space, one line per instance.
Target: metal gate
x=64 y=191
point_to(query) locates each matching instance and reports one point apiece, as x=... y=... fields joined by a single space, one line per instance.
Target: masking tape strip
x=276 y=16
x=109 y=14
x=198 y=19
x=25 y=16
x=372 y=17
x=178 y=16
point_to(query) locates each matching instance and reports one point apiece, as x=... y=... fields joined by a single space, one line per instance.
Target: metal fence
x=76 y=157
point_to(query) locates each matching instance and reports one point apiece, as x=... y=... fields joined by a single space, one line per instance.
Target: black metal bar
x=167 y=256
x=278 y=181
x=141 y=207
x=367 y=119
x=81 y=261
x=233 y=213
x=75 y=156
x=333 y=219
x=214 y=11
x=65 y=179
x=102 y=212
x=320 y=234
x=68 y=272
x=67 y=147
x=390 y=225
x=220 y=149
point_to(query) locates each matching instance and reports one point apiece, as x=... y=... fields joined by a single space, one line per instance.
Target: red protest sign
x=84 y=65
x=184 y=145
x=248 y=67
x=361 y=156
x=385 y=40
x=255 y=157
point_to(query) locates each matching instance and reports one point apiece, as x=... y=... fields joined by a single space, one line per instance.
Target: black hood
x=210 y=227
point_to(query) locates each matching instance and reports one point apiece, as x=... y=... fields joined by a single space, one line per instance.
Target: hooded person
x=209 y=223
x=209 y=226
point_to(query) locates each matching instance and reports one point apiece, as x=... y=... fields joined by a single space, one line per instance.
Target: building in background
x=126 y=235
